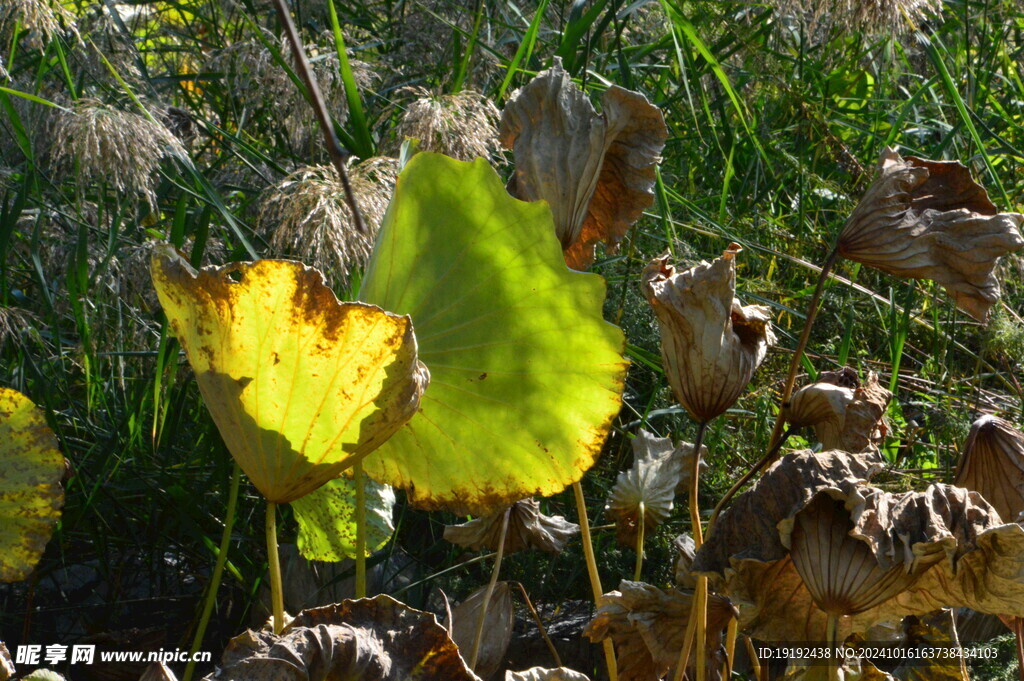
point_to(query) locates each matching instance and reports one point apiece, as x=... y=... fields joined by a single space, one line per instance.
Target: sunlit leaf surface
x=327 y=519
x=30 y=493
x=300 y=385
x=526 y=374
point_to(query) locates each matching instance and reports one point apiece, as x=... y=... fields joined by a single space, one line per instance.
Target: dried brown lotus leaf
x=597 y=172
x=844 y=413
x=541 y=674
x=372 y=638
x=687 y=550
x=648 y=625
x=926 y=219
x=710 y=344
x=935 y=636
x=658 y=471
x=840 y=571
x=749 y=527
x=993 y=465
x=497 y=633
x=527 y=528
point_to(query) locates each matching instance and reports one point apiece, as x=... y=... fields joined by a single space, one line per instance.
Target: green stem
x=639 y=542
x=479 y=636
x=595 y=579
x=801 y=346
x=218 y=571
x=276 y=590
x=360 y=481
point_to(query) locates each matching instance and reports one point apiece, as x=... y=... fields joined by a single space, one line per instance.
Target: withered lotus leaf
x=541 y=674
x=300 y=385
x=993 y=465
x=527 y=528
x=648 y=626
x=935 y=635
x=844 y=413
x=687 y=550
x=926 y=219
x=497 y=632
x=659 y=469
x=710 y=343
x=596 y=171
x=526 y=374
x=31 y=496
x=371 y=638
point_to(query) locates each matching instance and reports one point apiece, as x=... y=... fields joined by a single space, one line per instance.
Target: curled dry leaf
x=687 y=550
x=300 y=385
x=926 y=219
x=541 y=674
x=371 y=638
x=993 y=465
x=31 y=496
x=659 y=470
x=919 y=552
x=597 y=172
x=498 y=624
x=648 y=625
x=710 y=343
x=845 y=414
x=527 y=528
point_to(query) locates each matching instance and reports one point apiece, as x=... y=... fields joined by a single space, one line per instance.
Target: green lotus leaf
x=327 y=519
x=300 y=385
x=30 y=493
x=526 y=376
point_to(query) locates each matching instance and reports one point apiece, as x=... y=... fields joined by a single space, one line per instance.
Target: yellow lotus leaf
x=300 y=385
x=30 y=493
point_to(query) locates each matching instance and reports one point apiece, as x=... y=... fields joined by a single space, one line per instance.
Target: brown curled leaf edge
x=710 y=343
x=371 y=638
x=648 y=626
x=528 y=528
x=596 y=171
x=924 y=219
x=812 y=536
x=844 y=413
x=993 y=465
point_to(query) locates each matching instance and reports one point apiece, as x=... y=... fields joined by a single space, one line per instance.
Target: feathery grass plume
x=258 y=82
x=874 y=17
x=97 y=143
x=463 y=125
x=14 y=321
x=306 y=214
x=38 y=20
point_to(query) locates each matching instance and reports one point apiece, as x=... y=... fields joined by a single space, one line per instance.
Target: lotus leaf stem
x=360 y=481
x=684 y=655
x=730 y=646
x=595 y=579
x=218 y=572
x=801 y=346
x=641 y=521
x=276 y=591
x=831 y=631
x=479 y=636
x=540 y=625
x=752 y=654
x=700 y=600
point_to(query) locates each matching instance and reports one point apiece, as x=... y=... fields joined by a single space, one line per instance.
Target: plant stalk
x=316 y=100
x=479 y=636
x=730 y=646
x=276 y=590
x=641 y=522
x=218 y=571
x=801 y=346
x=752 y=654
x=360 y=481
x=540 y=625
x=684 y=655
x=830 y=634
x=595 y=579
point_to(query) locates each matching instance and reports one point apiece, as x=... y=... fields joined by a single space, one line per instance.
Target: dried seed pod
x=925 y=219
x=527 y=528
x=710 y=343
x=597 y=172
x=993 y=465
x=845 y=415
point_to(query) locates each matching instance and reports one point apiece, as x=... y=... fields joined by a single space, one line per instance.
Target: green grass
x=773 y=134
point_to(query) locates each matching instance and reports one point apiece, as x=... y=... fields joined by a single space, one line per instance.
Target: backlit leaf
x=30 y=493
x=300 y=385
x=327 y=519
x=526 y=374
